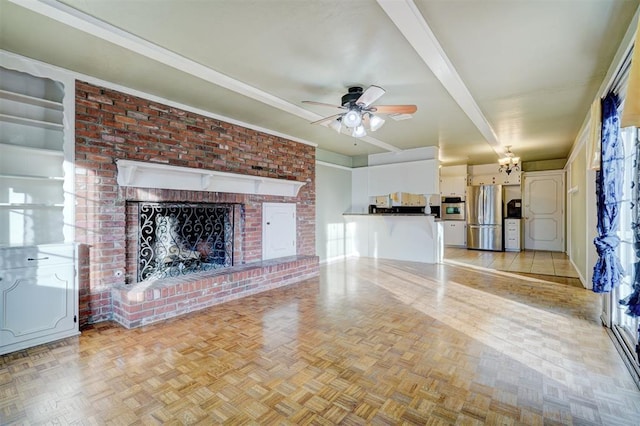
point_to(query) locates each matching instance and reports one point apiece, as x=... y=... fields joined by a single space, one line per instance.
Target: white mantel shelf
x=143 y=174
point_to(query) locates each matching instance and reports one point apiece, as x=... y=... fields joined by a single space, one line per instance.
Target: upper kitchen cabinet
x=488 y=174
x=36 y=172
x=453 y=181
x=416 y=177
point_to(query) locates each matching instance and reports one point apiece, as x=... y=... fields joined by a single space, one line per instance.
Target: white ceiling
x=484 y=74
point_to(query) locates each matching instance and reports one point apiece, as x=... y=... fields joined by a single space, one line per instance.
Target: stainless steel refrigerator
x=484 y=217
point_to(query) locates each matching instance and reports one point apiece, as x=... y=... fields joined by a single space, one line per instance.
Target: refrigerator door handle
x=483 y=226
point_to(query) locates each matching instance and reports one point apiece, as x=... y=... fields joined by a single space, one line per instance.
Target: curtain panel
x=607 y=273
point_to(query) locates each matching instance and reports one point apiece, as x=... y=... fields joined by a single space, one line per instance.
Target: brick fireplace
x=112 y=126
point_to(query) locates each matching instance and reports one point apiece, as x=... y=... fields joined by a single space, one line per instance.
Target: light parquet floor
x=368 y=342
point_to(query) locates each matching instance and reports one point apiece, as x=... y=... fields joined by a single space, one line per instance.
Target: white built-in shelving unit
x=38 y=280
x=32 y=173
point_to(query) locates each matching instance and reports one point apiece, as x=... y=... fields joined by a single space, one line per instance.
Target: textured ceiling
x=484 y=74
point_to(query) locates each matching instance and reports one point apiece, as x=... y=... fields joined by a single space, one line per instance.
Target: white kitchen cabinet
x=511 y=179
x=497 y=179
x=453 y=186
x=512 y=232
x=455 y=233
x=484 y=180
x=39 y=295
x=453 y=181
x=416 y=177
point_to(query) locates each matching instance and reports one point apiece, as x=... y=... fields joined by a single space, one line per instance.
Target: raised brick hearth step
x=151 y=301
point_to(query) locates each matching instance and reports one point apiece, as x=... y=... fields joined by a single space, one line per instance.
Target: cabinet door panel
x=37 y=301
x=455 y=233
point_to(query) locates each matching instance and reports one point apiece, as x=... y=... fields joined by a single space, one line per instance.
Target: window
x=625 y=327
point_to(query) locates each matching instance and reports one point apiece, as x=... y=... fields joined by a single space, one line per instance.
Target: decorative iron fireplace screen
x=178 y=239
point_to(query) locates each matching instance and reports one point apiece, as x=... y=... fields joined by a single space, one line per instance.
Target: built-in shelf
x=33 y=150
x=31 y=100
x=30 y=206
x=155 y=175
x=29 y=122
x=31 y=177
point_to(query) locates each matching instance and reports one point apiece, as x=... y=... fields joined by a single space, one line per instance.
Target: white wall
x=333 y=198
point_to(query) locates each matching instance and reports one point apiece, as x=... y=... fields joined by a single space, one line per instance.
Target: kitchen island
x=412 y=237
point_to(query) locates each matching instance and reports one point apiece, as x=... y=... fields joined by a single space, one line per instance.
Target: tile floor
x=527 y=262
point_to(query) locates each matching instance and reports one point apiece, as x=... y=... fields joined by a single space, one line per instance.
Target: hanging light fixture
x=352 y=118
x=375 y=122
x=356 y=122
x=336 y=124
x=509 y=162
x=359 y=132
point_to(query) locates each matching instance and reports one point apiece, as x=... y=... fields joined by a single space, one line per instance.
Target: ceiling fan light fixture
x=336 y=125
x=357 y=116
x=352 y=118
x=359 y=131
x=375 y=122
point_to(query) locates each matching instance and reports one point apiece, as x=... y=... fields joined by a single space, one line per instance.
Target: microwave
x=452 y=211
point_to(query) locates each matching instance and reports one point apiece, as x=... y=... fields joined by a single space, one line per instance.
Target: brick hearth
x=151 y=301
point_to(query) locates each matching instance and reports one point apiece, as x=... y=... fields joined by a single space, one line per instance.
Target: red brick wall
x=113 y=125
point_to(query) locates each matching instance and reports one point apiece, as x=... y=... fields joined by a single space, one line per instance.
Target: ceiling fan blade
x=323 y=104
x=370 y=95
x=394 y=109
x=326 y=120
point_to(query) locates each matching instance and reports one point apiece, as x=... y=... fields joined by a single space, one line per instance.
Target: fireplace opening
x=182 y=238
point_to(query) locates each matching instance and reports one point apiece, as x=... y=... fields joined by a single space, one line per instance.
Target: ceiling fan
x=359 y=116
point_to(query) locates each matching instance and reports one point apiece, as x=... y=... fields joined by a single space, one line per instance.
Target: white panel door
x=544 y=211
x=278 y=230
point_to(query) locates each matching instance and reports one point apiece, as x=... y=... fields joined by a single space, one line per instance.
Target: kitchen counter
x=387 y=214
x=411 y=237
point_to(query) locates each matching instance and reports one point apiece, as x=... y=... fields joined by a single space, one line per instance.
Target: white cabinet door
x=484 y=180
x=416 y=177
x=497 y=179
x=278 y=230
x=455 y=233
x=512 y=235
x=453 y=186
x=510 y=179
x=39 y=302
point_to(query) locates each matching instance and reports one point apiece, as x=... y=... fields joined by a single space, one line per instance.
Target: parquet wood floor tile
x=368 y=342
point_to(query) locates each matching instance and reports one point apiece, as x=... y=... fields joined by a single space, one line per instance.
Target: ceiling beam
x=97 y=28
x=406 y=16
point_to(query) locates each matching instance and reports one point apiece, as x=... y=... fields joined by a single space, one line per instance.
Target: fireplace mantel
x=156 y=175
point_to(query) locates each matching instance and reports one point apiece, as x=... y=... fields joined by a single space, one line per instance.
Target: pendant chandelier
x=509 y=162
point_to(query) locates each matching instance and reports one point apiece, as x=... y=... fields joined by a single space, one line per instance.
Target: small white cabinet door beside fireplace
x=278 y=230
x=38 y=295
